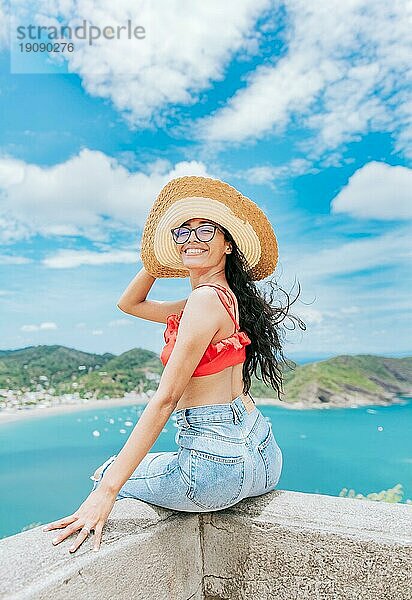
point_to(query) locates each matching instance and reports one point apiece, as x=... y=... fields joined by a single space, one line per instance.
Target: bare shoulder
x=205 y=294
x=202 y=318
x=204 y=302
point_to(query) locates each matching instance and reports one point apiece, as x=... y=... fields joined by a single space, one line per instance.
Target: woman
x=215 y=340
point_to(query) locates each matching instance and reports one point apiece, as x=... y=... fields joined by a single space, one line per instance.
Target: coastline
x=357 y=401
x=12 y=415
x=8 y=416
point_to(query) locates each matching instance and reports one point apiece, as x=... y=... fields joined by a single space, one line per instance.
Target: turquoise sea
x=45 y=463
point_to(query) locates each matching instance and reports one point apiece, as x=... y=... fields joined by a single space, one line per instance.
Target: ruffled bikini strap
x=224 y=302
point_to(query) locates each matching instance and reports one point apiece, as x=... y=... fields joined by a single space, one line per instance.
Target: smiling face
x=204 y=255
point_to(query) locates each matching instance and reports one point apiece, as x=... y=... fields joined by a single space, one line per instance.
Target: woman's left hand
x=92 y=514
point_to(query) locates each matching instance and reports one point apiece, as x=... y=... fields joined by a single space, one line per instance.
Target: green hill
x=61 y=370
x=342 y=380
x=133 y=370
x=21 y=369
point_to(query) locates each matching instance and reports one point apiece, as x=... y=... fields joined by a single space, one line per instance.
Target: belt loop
x=236 y=416
x=185 y=422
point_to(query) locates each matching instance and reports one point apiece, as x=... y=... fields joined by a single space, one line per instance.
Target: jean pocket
x=271 y=456
x=215 y=481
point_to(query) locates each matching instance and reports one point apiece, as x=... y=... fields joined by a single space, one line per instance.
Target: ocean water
x=45 y=463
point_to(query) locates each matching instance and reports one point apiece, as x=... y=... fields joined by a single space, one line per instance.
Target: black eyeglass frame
x=190 y=229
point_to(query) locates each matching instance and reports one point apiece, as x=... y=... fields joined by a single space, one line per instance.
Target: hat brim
x=202 y=197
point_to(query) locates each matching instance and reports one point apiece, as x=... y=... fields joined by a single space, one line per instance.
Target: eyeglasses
x=204 y=233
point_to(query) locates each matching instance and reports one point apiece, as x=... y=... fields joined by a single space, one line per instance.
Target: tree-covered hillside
x=346 y=379
x=61 y=370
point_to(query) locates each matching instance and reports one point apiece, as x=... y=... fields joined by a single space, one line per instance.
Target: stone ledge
x=283 y=544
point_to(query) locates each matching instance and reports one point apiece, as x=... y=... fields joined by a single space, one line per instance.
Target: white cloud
x=376 y=191
x=346 y=71
x=343 y=69
x=268 y=174
x=391 y=248
x=66 y=259
x=42 y=326
x=48 y=326
x=309 y=315
x=97 y=332
x=185 y=49
x=10 y=228
x=88 y=195
x=120 y=323
x=271 y=95
x=10 y=259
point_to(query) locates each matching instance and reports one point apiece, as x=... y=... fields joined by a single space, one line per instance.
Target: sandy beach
x=8 y=415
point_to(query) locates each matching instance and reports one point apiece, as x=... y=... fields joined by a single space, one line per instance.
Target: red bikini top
x=225 y=353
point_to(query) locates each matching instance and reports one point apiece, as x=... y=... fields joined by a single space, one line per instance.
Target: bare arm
x=137 y=290
x=194 y=335
x=133 y=300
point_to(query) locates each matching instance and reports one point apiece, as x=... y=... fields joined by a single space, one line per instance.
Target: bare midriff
x=218 y=388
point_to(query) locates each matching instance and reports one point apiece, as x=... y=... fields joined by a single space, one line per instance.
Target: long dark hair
x=260 y=320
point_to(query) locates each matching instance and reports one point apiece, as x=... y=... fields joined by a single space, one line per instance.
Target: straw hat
x=192 y=197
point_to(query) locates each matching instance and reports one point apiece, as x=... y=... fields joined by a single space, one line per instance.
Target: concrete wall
x=282 y=545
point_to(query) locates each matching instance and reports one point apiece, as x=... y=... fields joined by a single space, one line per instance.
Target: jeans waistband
x=234 y=412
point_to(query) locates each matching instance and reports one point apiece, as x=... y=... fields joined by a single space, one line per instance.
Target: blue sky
x=304 y=109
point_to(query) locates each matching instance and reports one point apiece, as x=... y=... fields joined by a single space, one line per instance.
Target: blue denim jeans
x=225 y=454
